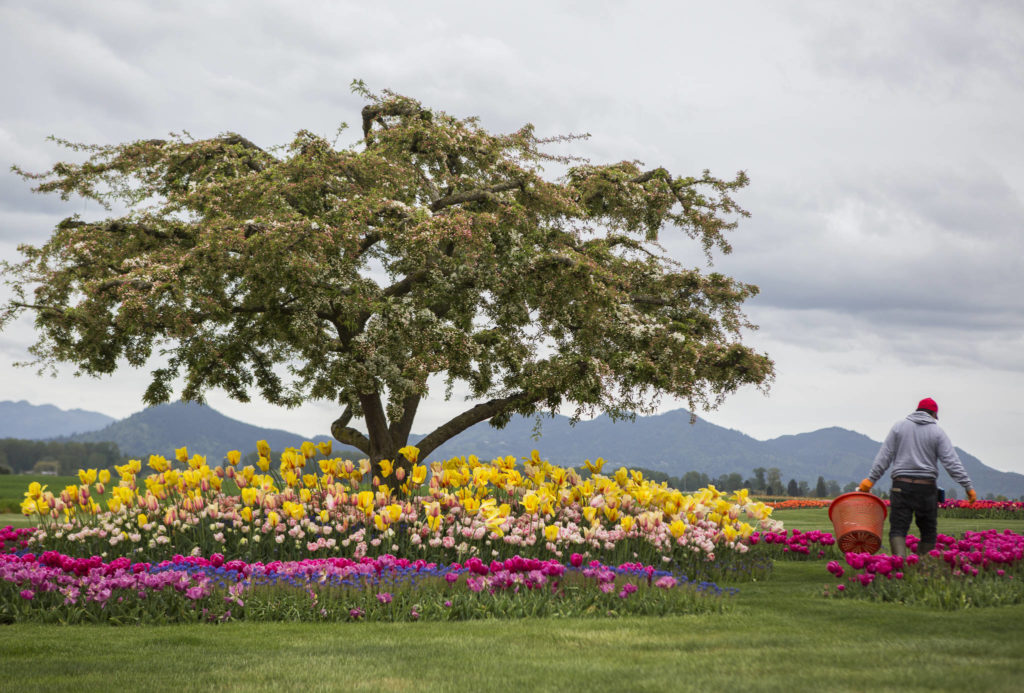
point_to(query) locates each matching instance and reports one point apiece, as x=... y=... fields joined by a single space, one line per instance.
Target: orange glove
x=865 y=485
x=972 y=496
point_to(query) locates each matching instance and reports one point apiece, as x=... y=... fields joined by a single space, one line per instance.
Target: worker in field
x=914 y=448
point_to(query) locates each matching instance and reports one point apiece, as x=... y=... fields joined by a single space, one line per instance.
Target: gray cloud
x=882 y=142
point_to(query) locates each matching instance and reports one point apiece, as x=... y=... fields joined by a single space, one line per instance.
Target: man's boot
x=924 y=547
x=898 y=546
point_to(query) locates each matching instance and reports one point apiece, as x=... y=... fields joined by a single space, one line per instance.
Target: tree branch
x=376 y=113
x=350 y=436
x=139 y=284
x=473 y=195
x=344 y=433
x=470 y=417
x=381 y=446
x=400 y=429
x=646 y=300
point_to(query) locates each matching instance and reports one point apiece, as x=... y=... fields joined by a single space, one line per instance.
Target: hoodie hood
x=922 y=418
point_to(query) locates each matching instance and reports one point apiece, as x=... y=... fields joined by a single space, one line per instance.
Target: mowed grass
x=779 y=635
x=13 y=487
x=806 y=519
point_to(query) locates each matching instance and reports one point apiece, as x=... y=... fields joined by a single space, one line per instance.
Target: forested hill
x=162 y=429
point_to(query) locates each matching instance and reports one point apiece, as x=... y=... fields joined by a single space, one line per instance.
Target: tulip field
x=396 y=577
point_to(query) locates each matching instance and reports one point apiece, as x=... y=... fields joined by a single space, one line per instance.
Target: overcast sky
x=883 y=141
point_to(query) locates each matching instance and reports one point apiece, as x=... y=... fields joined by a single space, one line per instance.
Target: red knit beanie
x=929 y=404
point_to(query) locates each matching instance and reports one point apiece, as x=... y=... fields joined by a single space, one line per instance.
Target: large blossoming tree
x=353 y=275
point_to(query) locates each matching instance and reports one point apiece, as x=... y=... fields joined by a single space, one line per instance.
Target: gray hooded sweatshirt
x=914 y=447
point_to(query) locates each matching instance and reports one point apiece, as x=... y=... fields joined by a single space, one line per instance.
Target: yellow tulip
x=394 y=512
x=410 y=453
x=171 y=477
x=380 y=522
x=28 y=507
x=385 y=468
x=246 y=514
x=365 y=501
x=531 y=502
x=263 y=448
x=419 y=474
x=114 y=504
x=141 y=519
x=434 y=522
x=481 y=476
x=626 y=523
x=677 y=528
x=87 y=476
x=273 y=518
x=551 y=532
x=590 y=513
x=234 y=457
x=104 y=476
x=158 y=463
x=181 y=454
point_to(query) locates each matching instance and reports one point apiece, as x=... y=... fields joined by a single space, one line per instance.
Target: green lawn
x=779 y=635
x=806 y=519
x=13 y=487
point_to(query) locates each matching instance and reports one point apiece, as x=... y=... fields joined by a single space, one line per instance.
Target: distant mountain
x=669 y=443
x=666 y=442
x=161 y=429
x=39 y=421
x=837 y=453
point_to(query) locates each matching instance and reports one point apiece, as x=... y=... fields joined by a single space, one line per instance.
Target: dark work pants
x=917 y=501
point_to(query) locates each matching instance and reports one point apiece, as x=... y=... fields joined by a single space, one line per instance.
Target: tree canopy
x=354 y=274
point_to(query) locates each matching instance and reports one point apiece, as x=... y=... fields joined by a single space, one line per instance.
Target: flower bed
x=54 y=587
x=979 y=569
x=797 y=545
x=316 y=506
x=314 y=510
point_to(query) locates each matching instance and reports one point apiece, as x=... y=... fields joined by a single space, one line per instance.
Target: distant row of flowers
x=982 y=509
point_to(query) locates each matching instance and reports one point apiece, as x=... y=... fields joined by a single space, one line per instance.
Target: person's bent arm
x=882 y=460
x=951 y=461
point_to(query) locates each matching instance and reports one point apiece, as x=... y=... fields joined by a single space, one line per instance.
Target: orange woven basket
x=858 y=519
